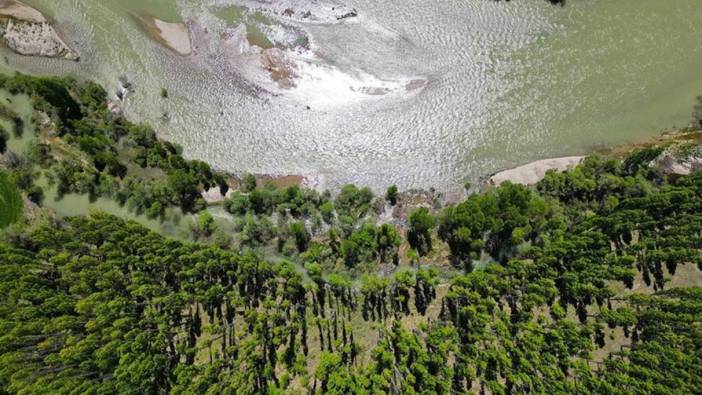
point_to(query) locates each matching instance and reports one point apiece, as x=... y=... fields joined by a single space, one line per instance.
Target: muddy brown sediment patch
x=282 y=69
x=280 y=181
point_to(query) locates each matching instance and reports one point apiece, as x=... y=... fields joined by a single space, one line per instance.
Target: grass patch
x=10 y=201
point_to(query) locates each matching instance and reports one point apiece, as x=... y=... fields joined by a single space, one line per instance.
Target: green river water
x=502 y=83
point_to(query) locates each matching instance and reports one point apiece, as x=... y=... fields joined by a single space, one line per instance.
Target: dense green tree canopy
x=572 y=294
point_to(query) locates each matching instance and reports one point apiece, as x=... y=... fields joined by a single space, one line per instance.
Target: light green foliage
x=206 y=224
x=359 y=247
x=387 y=241
x=327 y=212
x=353 y=202
x=237 y=204
x=254 y=232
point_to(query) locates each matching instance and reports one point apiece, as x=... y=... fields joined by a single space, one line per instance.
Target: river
x=420 y=94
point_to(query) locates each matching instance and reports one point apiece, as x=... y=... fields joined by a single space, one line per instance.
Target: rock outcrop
x=306 y=11
x=214 y=195
x=115 y=109
x=351 y=14
x=27 y=32
x=680 y=160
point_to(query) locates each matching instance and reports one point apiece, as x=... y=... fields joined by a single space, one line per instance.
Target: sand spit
x=533 y=172
x=173 y=35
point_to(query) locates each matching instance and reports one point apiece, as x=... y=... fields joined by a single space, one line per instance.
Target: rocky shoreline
x=27 y=32
x=307 y=11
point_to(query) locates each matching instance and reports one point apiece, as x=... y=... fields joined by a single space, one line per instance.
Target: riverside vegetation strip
x=94 y=304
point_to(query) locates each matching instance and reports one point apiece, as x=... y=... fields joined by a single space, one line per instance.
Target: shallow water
x=22 y=105
x=74 y=204
x=174 y=224
x=507 y=83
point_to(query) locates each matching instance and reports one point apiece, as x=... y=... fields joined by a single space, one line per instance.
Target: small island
x=28 y=32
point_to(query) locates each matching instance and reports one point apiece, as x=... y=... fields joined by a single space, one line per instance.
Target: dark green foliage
x=4 y=137
x=667 y=355
x=35 y=194
x=98 y=305
x=387 y=241
x=327 y=212
x=370 y=244
x=10 y=201
x=496 y=222
x=264 y=201
x=462 y=227
x=52 y=91
x=248 y=184
x=301 y=235
x=359 y=247
x=184 y=185
x=421 y=223
x=640 y=158
x=117 y=326
x=107 y=306
x=425 y=288
x=391 y=195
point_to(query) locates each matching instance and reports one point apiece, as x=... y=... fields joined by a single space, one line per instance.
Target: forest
x=585 y=283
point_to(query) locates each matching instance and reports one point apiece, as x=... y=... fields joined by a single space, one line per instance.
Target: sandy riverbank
x=532 y=173
x=676 y=159
x=172 y=35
